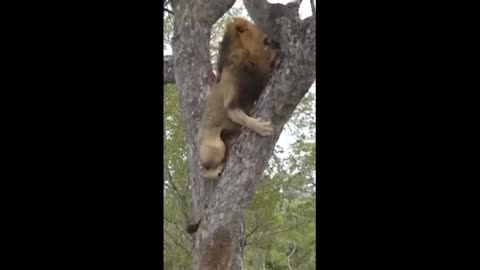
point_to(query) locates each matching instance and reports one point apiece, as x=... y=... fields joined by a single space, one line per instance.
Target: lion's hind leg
x=212 y=155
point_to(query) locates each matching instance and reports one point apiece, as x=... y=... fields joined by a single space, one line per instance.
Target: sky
x=286 y=138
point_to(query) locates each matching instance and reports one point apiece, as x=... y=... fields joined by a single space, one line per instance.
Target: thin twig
x=178 y=228
x=302 y=259
x=293 y=251
x=277 y=232
x=250 y=233
x=169 y=11
x=182 y=197
x=178 y=244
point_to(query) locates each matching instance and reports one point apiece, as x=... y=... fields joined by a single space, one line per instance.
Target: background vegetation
x=280 y=221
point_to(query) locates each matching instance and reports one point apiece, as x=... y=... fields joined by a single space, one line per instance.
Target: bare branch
x=178 y=195
x=302 y=259
x=174 y=239
x=178 y=228
x=289 y=256
x=169 y=11
x=250 y=233
x=270 y=234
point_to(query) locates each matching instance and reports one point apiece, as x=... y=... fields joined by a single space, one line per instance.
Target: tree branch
x=169 y=11
x=178 y=244
x=212 y=10
x=266 y=15
x=178 y=228
x=220 y=234
x=178 y=195
x=289 y=256
x=269 y=235
x=250 y=233
x=193 y=78
x=249 y=156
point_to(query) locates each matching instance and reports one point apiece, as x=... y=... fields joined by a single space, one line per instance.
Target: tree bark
x=220 y=238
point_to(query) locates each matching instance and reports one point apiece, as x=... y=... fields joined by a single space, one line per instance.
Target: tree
x=220 y=240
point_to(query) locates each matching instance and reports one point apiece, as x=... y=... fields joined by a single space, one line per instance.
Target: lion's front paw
x=263 y=128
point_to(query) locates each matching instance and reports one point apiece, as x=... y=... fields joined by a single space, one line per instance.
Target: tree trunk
x=220 y=237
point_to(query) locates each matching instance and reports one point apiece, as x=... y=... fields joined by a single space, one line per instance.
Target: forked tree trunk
x=219 y=240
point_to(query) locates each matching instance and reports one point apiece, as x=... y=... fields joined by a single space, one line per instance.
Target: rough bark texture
x=219 y=240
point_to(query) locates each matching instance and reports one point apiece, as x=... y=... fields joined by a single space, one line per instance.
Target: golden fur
x=246 y=60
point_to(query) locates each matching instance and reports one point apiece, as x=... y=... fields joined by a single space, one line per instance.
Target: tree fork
x=220 y=237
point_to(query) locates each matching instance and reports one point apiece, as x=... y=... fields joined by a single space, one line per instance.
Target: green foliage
x=167 y=28
x=280 y=220
x=177 y=242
